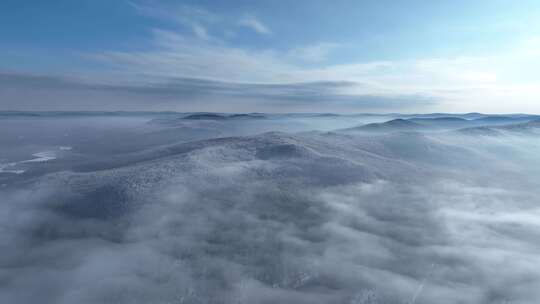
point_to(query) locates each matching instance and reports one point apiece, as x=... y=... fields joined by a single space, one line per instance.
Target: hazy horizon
x=292 y=113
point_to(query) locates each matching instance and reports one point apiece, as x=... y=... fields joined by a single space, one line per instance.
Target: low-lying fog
x=206 y=208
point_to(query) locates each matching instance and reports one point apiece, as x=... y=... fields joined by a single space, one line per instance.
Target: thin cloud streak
x=31 y=91
x=255 y=24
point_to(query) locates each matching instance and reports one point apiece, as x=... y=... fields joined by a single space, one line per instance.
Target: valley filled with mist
x=119 y=207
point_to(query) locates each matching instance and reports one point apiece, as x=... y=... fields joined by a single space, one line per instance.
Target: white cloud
x=496 y=83
x=194 y=18
x=254 y=24
x=179 y=56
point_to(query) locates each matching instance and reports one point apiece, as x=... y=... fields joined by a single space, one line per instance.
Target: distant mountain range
x=220 y=115
x=498 y=129
x=451 y=123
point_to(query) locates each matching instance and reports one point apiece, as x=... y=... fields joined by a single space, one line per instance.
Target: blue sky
x=307 y=56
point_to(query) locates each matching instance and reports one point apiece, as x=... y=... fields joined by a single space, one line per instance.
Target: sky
x=340 y=56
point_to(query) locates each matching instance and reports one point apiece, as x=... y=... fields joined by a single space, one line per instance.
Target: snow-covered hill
x=275 y=217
